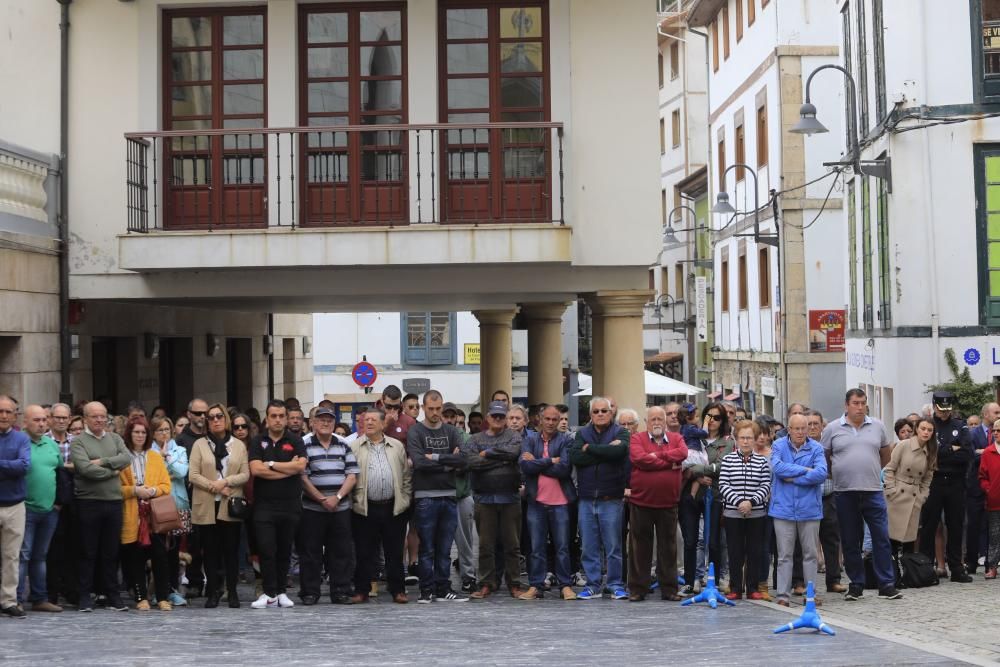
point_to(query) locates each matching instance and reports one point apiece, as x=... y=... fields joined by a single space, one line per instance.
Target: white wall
x=29 y=75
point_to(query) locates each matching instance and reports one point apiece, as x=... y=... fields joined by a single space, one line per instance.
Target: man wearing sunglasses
x=397 y=422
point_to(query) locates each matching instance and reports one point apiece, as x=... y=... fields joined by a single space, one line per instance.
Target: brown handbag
x=164 y=514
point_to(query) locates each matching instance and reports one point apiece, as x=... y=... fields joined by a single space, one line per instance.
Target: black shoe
x=212 y=600
x=13 y=611
x=86 y=604
x=234 y=600
x=469 y=585
x=889 y=593
x=309 y=600
x=115 y=604
x=194 y=592
x=341 y=599
x=426 y=597
x=854 y=592
x=960 y=577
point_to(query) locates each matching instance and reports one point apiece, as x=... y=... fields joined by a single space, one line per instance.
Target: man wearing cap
x=947 y=493
x=493 y=456
x=325 y=528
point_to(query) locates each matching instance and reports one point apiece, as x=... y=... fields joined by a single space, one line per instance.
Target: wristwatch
x=339 y=497
x=270 y=464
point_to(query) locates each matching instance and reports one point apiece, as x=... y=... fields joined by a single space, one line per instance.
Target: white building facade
x=772 y=277
x=924 y=274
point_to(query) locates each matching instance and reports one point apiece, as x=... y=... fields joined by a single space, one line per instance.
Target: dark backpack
x=917 y=570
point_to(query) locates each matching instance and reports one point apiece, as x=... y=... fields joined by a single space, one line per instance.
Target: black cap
x=944 y=400
x=324 y=412
x=449 y=407
x=497 y=408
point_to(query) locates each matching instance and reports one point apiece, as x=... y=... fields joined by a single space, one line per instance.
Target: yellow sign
x=471 y=356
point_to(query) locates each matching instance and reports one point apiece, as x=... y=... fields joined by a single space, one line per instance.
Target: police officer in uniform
x=947 y=491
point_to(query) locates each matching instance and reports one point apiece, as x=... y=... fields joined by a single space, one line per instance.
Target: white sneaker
x=284 y=602
x=265 y=602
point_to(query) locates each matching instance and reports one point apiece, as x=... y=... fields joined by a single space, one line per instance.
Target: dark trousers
x=325 y=537
x=436 y=519
x=855 y=509
x=61 y=572
x=645 y=525
x=948 y=494
x=501 y=520
x=975 y=523
x=100 y=538
x=220 y=543
x=691 y=512
x=275 y=528
x=379 y=529
x=134 y=557
x=745 y=541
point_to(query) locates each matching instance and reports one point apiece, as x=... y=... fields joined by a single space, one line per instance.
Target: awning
x=732 y=397
x=664 y=358
x=656 y=385
x=714 y=395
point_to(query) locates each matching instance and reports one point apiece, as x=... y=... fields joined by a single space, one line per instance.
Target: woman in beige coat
x=907 y=483
x=218 y=471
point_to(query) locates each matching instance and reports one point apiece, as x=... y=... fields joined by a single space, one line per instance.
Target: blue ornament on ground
x=809 y=617
x=710 y=593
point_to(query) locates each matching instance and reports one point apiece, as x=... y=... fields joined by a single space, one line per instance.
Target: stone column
x=544 y=322
x=495 y=351
x=618 y=350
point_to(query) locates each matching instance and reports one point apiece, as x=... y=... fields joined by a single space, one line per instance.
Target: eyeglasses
x=197 y=413
x=236 y=426
x=217 y=416
x=98 y=418
x=498 y=417
x=631 y=423
x=714 y=417
x=395 y=407
x=996 y=430
x=165 y=429
x=600 y=411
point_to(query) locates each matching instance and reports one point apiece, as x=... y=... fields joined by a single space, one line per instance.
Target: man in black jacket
x=954 y=456
x=436 y=451
x=493 y=462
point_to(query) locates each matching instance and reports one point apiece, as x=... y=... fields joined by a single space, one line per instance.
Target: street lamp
x=669 y=235
x=723 y=207
x=809 y=125
x=657 y=306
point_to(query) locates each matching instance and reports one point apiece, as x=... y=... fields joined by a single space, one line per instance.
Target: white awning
x=656 y=385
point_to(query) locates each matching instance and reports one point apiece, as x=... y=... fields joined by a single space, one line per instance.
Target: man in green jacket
x=97 y=456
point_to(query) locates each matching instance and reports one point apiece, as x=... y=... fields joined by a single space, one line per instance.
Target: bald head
x=991 y=413
x=95 y=416
x=36 y=421
x=798 y=427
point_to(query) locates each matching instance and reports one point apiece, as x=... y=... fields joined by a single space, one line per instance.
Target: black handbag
x=238 y=507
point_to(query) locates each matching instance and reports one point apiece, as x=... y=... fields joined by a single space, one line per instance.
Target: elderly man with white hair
x=628 y=419
x=657 y=456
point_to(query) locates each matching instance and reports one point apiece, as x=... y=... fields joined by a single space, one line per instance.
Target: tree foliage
x=970 y=396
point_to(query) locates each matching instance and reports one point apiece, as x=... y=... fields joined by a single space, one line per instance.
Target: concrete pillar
x=618 y=350
x=495 y=351
x=544 y=322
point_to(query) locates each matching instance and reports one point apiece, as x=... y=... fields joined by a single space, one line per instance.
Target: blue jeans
x=39 y=527
x=543 y=521
x=437 y=519
x=601 y=527
x=855 y=509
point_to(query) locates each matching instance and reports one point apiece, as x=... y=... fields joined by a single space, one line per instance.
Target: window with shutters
x=428 y=338
x=987 y=166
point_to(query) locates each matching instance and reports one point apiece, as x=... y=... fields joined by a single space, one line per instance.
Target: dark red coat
x=989 y=477
x=656 y=470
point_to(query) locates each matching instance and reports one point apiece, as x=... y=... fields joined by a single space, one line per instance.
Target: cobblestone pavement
x=498 y=631
x=953 y=619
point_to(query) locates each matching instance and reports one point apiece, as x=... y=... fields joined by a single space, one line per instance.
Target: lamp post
x=657 y=306
x=722 y=206
x=809 y=125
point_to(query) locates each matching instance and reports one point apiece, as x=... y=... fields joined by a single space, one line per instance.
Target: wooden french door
x=494 y=64
x=214 y=76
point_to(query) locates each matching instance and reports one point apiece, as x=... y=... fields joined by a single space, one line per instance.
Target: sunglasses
x=217 y=416
x=392 y=406
x=197 y=413
x=236 y=426
x=600 y=411
x=715 y=418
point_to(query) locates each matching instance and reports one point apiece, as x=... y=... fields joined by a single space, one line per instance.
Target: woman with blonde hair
x=218 y=471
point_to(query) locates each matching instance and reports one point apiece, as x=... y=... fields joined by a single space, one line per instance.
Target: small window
x=659 y=67
x=764 y=275
x=862 y=77
x=852 y=256
x=428 y=338
x=663 y=136
x=878 y=47
x=663 y=205
x=715 y=46
x=724 y=278
x=751 y=12
x=739 y=20
x=987 y=163
x=679 y=282
x=762 y=131
x=652 y=280
x=987 y=55
x=722 y=161
x=741 y=151
x=675 y=61
x=868 y=314
x=725 y=32
x=675 y=127
x=743 y=293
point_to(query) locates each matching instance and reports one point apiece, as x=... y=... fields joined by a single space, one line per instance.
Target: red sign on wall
x=826 y=330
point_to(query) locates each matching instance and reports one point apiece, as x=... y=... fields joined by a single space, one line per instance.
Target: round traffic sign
x=364 y=374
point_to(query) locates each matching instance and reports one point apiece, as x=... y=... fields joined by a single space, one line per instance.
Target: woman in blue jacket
x=799 y=468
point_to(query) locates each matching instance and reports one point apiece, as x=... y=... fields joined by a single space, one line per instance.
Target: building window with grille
x=764 y=276
x=866 y=252
x=675 y=128
x=986 y=49
x=429 y=338
x=987 y=168
x=675 y=61
x=852 y=256
x=884 y=263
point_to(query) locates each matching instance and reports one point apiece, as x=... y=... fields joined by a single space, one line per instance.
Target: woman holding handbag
x=145 y=478
x=176 y=459
x=218 y=472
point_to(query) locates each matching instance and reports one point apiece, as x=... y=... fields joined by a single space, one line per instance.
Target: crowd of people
x=622 y=507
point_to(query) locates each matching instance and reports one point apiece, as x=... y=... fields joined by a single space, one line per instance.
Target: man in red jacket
x=656 y=457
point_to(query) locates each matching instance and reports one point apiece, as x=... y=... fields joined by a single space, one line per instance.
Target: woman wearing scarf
x=218 y=471
x=144 y=479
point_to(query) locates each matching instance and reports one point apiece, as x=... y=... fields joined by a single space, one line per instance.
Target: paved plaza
x=501 y=631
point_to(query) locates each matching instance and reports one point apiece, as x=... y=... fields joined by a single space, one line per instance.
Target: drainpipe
x=270 y=357
x=932 y=267
x=65 y=354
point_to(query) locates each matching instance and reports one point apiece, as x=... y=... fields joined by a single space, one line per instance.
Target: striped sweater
x=744 y=478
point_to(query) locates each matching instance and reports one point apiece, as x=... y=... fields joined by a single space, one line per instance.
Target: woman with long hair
x=907 y=484
x=219 y=470
x=145 y=478
x=176 y=459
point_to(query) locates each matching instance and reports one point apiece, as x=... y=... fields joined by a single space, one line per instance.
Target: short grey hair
x=519 y=408
x=630 y=413
x=61 y=405
x=595 y=400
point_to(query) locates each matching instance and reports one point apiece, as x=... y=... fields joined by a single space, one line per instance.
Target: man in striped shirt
x=325 y=529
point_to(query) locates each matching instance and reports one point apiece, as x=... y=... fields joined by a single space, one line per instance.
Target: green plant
x=970 y=396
